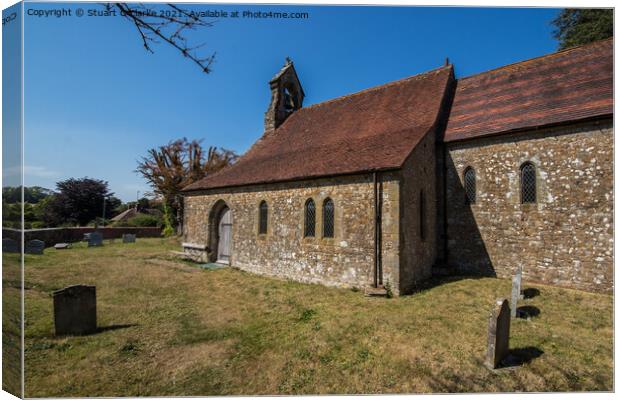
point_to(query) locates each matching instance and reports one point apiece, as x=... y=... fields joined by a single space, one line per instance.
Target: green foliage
x=11 y=215
x=307 y=314
x=168 y=222
x=143 y=220
x=32 y=194
x=388 y=290
x=575 y=27
x=34 y=197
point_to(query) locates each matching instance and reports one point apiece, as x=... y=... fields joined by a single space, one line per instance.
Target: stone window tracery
x=263 y=213
x=328 y=218
x=469 y=183
x=309 y=218
x=528 y=183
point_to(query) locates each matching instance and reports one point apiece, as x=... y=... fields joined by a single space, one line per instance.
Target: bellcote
x=287 y=96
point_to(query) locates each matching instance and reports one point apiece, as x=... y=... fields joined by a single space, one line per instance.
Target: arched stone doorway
x=220 y=233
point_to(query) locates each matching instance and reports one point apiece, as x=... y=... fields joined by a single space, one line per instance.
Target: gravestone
x=61 y=246
x=95 y=239
x=35 y=246
x=129 y=238
x=499 y=333
x=520 y=277
x=9 y=246
x=75 y=310
x=514 y=298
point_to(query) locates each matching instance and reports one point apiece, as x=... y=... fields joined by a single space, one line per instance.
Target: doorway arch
x=220 y=233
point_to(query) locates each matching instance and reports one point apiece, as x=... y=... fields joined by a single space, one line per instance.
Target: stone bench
x=194 y=246
x=194 y=252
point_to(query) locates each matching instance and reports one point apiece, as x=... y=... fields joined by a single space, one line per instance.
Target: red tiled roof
x=374 y=129
x=565 y=86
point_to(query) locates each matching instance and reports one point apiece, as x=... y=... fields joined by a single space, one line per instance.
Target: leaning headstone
x=514 y=298
x=61 y=246
x=75 y=310
x=499 y=333
x=129 y=238
x=95 y=239
x=9 y=246
x=35 y=246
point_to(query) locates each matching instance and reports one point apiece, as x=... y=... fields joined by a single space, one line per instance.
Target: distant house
x=508 y=168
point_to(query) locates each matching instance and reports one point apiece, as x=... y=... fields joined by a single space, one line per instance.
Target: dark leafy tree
x=166 y=23
x=171 y=167
x=575 y=27
x=79 y=201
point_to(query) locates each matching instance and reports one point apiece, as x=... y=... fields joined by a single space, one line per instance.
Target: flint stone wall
x=418 y=249
x=566 y=238
x=347 y=260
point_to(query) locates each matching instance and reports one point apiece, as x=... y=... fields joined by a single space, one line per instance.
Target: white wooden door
x=225 y=238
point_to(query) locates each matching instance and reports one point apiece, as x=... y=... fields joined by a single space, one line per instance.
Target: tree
x=32 y=194
x=170 y=168
x=575 y=27
x=169 y=23
x=79 y=201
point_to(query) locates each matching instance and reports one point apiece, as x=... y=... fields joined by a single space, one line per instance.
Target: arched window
x=263 y=213
x=309 y=218
x=469 y=182
x=328 y=218
x=422 y=215
x=288 y=100
x=528 y=183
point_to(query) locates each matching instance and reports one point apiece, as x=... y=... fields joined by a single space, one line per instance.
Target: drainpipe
x=378 y=273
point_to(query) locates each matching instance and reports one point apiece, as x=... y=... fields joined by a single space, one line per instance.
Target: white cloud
x=39 y=172
x=30 y=170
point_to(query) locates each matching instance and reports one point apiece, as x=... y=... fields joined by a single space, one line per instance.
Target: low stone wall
x=51 y=236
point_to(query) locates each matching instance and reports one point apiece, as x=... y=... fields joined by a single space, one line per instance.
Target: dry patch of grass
x=170 y=328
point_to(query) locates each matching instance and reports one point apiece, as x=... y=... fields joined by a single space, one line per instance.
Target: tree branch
x=167 y=25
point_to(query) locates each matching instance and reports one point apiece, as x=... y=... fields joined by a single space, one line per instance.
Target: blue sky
x=95 y=100
x=11 y=93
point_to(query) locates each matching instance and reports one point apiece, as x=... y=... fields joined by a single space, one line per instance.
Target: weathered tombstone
x=35 y=246
x=514 y=298
x=499 y=333
x=9 y=246
x=95 y=239
x=61 y=246
x=129 y=238
x=75 y=310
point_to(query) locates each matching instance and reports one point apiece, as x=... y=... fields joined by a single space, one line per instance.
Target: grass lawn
x=171 y=328
x=11 y=324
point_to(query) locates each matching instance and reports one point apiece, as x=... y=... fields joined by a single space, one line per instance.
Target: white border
x=460 y=3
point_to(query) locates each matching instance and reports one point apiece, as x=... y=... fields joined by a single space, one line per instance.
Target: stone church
x=508 y=168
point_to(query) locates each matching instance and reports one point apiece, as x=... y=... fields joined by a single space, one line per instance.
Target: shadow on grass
x=527 y=312
x=530 y=293
x=101 y=329
x=438 y=280
x=520 y=356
